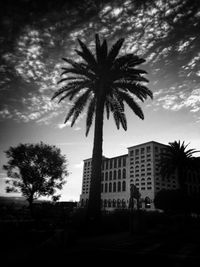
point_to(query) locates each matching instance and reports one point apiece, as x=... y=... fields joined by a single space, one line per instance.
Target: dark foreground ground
x=160 y=246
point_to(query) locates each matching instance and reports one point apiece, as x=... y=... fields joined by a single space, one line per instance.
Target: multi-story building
x=139 y=167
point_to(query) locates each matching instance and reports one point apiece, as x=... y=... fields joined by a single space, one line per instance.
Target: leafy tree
x=35 y=170
x=177 y=160
x=103 y=83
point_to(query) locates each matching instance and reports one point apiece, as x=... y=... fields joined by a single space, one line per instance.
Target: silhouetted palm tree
x=177 y=160
x=102 y=82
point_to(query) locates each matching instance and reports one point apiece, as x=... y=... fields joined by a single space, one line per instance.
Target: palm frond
x=129 y=87
x=132 y=104
x=92 y=64
x=87 y=55
x=71 y=86
x=78 y=68
x=117 y=109
x=129 y=75
x=77 y=107
x=104 y=51
x=79 y=72
x=107 y=108
x=98 y=48
x=115 y=51
x=128 y=61
x=141 y=91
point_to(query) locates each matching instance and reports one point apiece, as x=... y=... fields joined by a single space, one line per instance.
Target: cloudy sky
x=35 y=37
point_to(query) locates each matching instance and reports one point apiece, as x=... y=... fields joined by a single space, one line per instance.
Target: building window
x=137 y=152
x=123 y=203
x=114 y=187
x=111 y=164
x=119 y=162
x=148 y=149
x=106 y=176
x=119 y=186
x=115 y=175
x=106 y=164
x=106 y=187
x=118 y=203
x=124 y=186
x=124 y=173
x=119 y=174
x=110 y=175
x=110 y=187
x=131 y=153
x=142 y=150
x=115 y=163
x=147 y=202
x=124 y=162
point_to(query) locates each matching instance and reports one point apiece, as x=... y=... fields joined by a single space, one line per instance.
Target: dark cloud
x=37 y=34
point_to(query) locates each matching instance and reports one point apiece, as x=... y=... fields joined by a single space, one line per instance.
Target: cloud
x=179 y=100
x=63 y=125
x=77 y=128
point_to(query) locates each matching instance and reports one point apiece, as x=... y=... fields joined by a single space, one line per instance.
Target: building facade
x=139 y=167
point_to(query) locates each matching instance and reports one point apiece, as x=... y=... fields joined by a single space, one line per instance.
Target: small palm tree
x=176 y=159
x=102 y=82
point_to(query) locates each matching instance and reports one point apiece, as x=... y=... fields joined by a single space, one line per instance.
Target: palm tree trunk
x=94 y=203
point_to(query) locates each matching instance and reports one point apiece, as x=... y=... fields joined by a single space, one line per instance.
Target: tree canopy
x=35 y=170
x=177 y=159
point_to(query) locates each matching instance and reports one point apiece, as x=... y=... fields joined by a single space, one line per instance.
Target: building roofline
x=105 y=158
x=147 y=143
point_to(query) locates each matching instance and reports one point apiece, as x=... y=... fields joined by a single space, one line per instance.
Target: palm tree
x=102 y=82
x=176 y=159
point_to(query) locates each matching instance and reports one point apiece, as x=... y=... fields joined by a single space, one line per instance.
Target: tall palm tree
x=176 y=159
x=102 y=82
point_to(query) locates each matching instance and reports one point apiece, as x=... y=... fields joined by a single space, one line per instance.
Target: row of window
x=87 y=163
x=113 y=187
x=108 y=187
x=114 y=163
x=141 y=150
x=115 y=203
x=149 y=187
x=113 y=175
